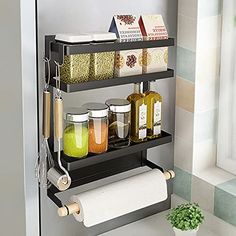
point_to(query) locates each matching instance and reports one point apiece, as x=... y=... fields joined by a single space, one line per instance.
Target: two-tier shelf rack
x=95 y=167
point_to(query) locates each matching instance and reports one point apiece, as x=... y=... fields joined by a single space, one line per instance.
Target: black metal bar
x=72 y=49
x=52 y=195
x=73 y=163
x=153 y=165
x=70 y=88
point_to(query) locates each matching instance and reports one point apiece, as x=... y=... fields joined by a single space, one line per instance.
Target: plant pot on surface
x=179 y=232
x=186 y=219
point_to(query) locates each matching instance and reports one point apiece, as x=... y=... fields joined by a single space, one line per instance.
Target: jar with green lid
x=119 y=122
x=76 y=132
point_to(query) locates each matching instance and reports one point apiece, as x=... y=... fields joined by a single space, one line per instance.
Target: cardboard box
x=153 y=28
x=127 y=29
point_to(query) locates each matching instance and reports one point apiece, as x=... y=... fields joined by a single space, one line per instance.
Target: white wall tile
x=188 y=8
x=184 y=124
x=204 y=155
x=208 y=33
x=205 y=126
x=215 y=175
x=183 y=154
x=187 y=32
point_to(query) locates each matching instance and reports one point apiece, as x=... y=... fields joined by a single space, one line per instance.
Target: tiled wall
x=198 y=59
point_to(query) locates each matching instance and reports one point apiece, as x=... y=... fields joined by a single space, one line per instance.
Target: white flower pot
x=179 y=232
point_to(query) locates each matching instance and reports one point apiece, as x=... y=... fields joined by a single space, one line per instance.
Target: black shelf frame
x=96 y=84
x=72 y=164
x=95 y=167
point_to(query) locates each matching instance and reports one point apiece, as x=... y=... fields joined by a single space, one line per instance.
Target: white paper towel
x=120 y=198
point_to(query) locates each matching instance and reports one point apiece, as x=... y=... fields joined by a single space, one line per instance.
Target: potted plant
x=186 y=219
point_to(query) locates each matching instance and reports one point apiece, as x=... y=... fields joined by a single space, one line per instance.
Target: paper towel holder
x=73 y=208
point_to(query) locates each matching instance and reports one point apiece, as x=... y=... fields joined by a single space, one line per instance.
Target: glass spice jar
x=98 y=127
x=102 y=63
x=76 y=68
x=76 y=132
x=119 y=122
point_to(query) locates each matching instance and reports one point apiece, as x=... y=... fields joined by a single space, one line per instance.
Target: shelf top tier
x=71 y=49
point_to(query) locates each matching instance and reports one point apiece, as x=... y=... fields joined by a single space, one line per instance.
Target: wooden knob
x=46 y=114
x=68 y=210
x=58 y=118
x=169 y=174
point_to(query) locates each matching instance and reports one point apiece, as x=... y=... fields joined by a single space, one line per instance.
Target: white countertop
x=155 y=225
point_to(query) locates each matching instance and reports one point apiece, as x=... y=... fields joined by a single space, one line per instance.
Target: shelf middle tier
x=75 y=163
x=95 y=84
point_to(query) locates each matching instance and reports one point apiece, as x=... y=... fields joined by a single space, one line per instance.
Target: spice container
x=119 y=122
x=128 y=62
x=102 y=63
x=76 y=68
x=153 y=28
x=98 y=127
x=76 y=132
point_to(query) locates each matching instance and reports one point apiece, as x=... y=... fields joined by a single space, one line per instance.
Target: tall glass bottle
x=138 y=114
x=154 y=103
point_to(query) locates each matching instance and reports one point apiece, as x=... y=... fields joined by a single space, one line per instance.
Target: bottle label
x=157 y=118
x=143 y=121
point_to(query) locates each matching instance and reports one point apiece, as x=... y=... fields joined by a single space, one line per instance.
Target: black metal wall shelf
x=73 y=163
x=70 y=88
x=96 y=167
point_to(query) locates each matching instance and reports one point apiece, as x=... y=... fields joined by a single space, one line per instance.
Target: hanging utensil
x=45 y=160
x=60 y=180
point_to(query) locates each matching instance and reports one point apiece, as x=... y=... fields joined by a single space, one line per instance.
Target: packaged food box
x=128 y=62
x=153 y=28
x=102 y=63
x=76 y=68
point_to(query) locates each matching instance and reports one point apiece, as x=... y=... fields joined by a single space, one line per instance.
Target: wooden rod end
x=68 y=210
x=170 y=174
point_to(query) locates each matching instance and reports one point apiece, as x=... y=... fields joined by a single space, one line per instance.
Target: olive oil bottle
x=154 y=103
x=138 y=114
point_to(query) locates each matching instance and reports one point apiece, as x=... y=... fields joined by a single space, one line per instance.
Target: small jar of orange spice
x=98 y=127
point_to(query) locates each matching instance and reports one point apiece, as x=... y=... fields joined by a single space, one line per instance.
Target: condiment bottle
x=154 y=102
x=119 y=122
x=98 y=127
x=138 y=114
x=76 y=132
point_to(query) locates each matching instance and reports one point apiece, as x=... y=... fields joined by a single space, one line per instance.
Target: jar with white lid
x=76 y=132
x=102 y=63
x=119 y=122
x=98 y=127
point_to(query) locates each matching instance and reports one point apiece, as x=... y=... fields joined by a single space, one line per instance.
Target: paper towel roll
x=120 y=198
